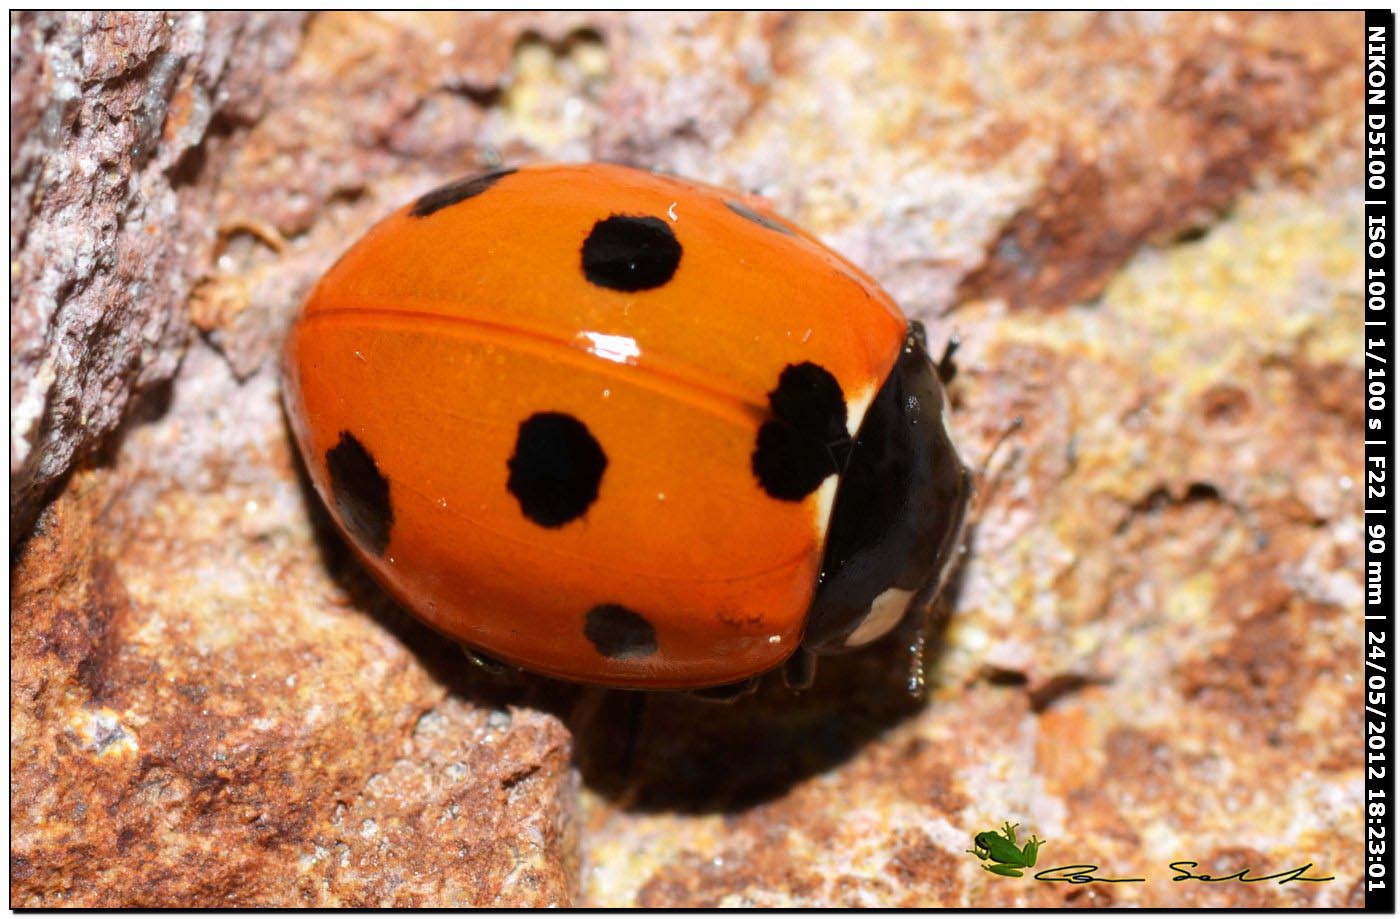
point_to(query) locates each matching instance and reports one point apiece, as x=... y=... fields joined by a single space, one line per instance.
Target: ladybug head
x=899 y=512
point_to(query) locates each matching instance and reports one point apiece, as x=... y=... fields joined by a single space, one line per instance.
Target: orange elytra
x=624 y=429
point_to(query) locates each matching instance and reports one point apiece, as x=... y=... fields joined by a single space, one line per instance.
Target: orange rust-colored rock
x=201 y=717
x=1209 y=117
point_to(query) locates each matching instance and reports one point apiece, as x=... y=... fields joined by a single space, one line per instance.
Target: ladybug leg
x=800 y=670
x=636 y=709
x=915 y=683
x=946 y=367
x=489 y=664
x=728 y=693
x=914 y=630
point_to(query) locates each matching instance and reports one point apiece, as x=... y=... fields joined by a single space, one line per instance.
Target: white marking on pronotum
x=620 y=349
x=856 y=407
x=885 y=613
x=671 y=211
x=826 y=500
x=826 y=492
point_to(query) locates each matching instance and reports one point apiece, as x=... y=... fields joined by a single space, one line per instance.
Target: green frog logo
x=1000 y=849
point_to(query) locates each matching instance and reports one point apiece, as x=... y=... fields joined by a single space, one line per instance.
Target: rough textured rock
x=1143 y=227
x=208 y=710
x=114 y=118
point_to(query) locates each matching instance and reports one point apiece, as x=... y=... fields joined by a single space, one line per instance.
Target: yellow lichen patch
x=547 y=97
x=1203 y=300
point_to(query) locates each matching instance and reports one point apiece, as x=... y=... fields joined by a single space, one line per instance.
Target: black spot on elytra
x=556 y=468
x=456 y=192
x=619 y=633
x=758 y=218
x=630 y=253
x=806 y=440
x=361 y=493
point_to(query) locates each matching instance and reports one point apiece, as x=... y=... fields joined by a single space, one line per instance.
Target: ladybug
x=623 y=429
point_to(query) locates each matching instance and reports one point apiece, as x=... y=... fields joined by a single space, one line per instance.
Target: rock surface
x=1145 y=229
x=114 y=119
x=208 y=710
